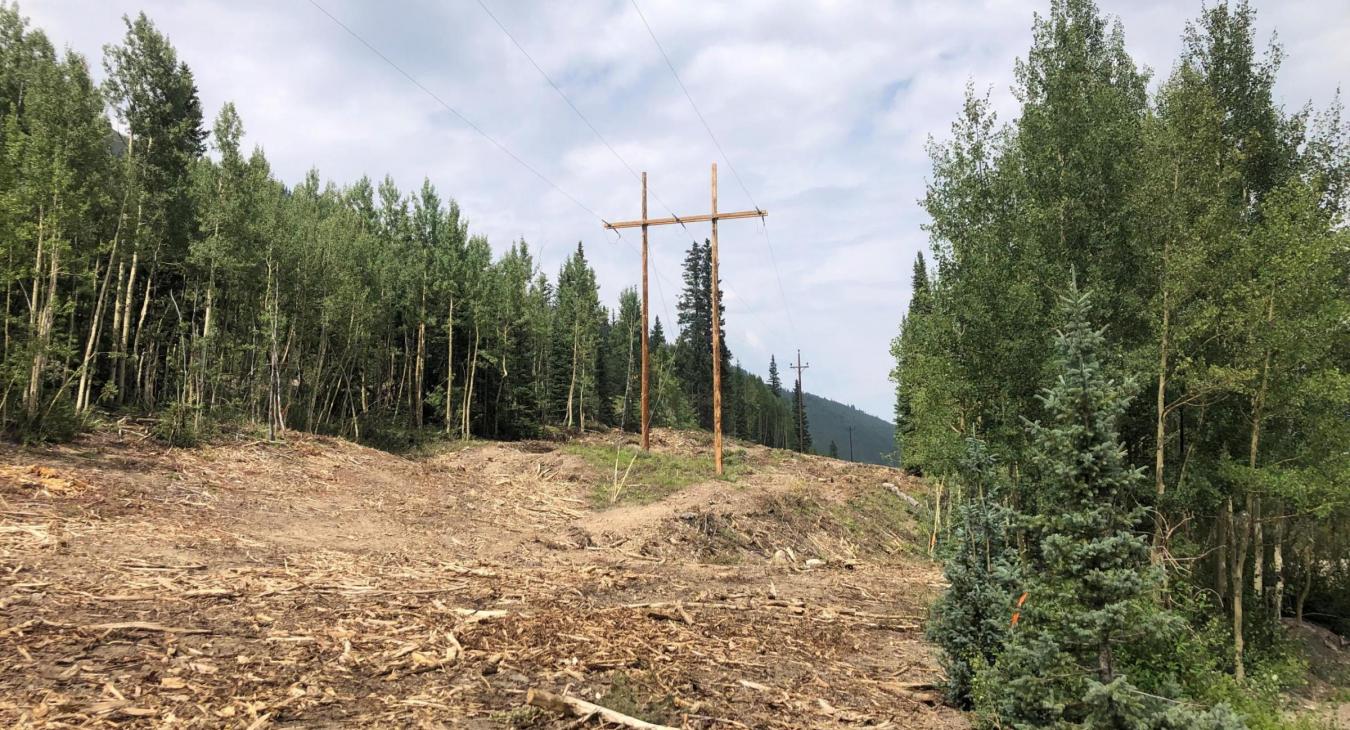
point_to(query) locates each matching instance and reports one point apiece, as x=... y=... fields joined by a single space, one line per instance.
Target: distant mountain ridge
x=873 y=438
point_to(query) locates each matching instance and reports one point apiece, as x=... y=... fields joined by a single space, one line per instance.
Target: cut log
x=573 y=707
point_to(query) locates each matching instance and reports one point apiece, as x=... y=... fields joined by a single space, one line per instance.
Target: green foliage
x=180 y=425
x=971 y=621
x=142 y=274
x=1210 y=225
x=1091 y=592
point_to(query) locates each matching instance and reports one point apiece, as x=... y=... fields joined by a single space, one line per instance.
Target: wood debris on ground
x=252 y=585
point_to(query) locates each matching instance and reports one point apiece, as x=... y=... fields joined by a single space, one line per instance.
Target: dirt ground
x=317 y=583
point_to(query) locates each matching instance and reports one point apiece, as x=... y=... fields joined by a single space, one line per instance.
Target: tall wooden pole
x=713 y=218
x=801 y=440
x=801 y=405
x=716 y=339
x=646 y=413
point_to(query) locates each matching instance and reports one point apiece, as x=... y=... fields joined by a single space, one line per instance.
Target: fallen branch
x=573 y=707
x=922 y=692
x=142 y=626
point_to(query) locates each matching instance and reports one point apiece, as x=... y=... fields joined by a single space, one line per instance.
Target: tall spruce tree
x=693 y=347
x=1089 y=583
x=971 y=621
x=801 y=423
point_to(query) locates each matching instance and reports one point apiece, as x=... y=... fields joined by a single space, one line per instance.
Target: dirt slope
x=317 y=583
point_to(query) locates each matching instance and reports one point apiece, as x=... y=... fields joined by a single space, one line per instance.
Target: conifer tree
x=834 y=450
x=1088 y=581
x=801 y=425
x=775 y=382
x=693 y=347
x=971 y=621
x=657 y=339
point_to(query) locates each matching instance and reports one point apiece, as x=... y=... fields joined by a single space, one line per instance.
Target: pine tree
x=775 y=382
x=693 y=347
x=907 y=351
x=801 y=425
x=834 y=450
x=971 y=621
x=1089 y=584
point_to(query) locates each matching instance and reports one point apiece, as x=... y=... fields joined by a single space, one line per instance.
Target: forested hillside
x=1131 y=357
x=155 y=266
x=873 y=438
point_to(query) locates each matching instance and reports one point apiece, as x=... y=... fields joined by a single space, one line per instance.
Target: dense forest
x=154 y=267
x=1130 y=362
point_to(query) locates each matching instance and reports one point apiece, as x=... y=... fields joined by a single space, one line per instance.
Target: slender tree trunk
x=37 y=312
x=1221 y=584
x=124 y=334
x=1160 y=432
x=419 y=368
x=1254 y=499
x=140 y=326
x=1307 y=583
x=466 y=409
x=1277 y=566
x=1253 y=516
x=1160 y=425
x=450 y=365
x=82 y=402
x=273 y=376
x=1258 y=547
x=572 y=384
x=124 y=337
x=317 y=380
x=1240 y=528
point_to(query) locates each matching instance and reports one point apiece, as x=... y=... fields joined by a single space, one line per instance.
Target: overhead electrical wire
x=613 y=151
x=773 y=258
x=506 y=150
x=481 y=132
x=469 y=122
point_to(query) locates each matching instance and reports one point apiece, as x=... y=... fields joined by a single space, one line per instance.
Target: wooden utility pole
x=801 y=404
x=646 y=411
x=713 y=218
x=716 y=338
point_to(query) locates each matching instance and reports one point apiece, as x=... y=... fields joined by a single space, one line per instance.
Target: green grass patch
x=654 y=475
x=880 y=519
x=629 y=696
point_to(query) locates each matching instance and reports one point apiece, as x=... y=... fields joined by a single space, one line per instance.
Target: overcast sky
x=823 y=108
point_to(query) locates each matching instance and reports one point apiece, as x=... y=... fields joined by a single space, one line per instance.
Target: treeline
x=1209 y=225
x=152 y=267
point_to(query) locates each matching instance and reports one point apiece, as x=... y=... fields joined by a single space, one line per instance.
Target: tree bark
x=572 y=384
x=450 y=365
x=466 y=409
x=1237 y=567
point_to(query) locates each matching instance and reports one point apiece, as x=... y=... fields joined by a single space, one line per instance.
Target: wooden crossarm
x=687 y=219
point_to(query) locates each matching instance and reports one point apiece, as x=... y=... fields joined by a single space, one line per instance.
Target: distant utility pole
x=801 y=403
x=850 y=443
x=713 y=217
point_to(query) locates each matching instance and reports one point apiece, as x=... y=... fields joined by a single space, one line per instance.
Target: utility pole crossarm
x=713 y=217
x=703 y=218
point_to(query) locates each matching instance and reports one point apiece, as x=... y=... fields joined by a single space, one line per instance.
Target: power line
x=507 y=151
x=457 y=113
x=773 y=259
x=671 y=66
x=625 y=163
